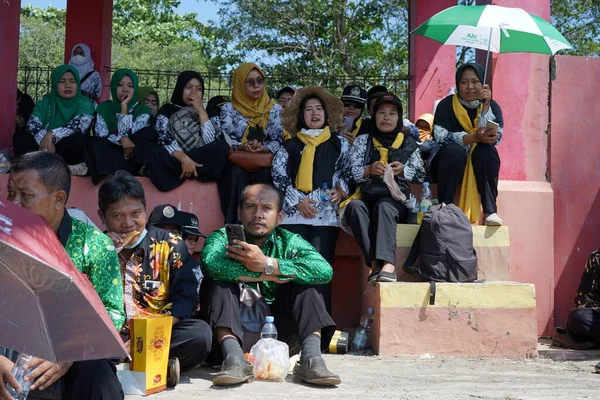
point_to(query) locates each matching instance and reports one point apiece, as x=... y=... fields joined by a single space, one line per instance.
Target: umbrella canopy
x=493 y=28
x=49 y=309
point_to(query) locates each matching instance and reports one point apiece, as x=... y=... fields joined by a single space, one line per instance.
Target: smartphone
x=492 y=125
x=348 y=121
x=235 y=232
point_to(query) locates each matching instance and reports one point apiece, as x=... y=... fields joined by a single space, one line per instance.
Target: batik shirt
x=93 y=253
x=160 y=277
x=588 y=293
x=298 y=261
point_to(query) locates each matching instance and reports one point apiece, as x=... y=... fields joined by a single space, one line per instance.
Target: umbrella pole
x=487 y=58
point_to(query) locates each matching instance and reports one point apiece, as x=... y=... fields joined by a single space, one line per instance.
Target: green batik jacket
x=298 y=260
x=93 y=253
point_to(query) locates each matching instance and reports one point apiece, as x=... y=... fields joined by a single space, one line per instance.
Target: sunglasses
x=253 y=82
x=349 y=104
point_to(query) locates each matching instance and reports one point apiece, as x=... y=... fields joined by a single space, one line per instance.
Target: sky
x=206 y=10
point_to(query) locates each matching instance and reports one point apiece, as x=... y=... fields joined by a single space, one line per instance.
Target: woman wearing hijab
x=189 y=146
x=468 y=149
x=149 y=97
x=59 y=121
x=383 y=164
x=253 y=122
x=25 y=106
x=314 y=156
x=91 y=83
x=121 y=124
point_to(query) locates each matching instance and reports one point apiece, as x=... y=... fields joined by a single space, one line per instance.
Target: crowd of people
x=274 y=162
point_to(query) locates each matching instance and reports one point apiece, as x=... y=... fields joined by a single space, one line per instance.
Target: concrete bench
x=491 y=319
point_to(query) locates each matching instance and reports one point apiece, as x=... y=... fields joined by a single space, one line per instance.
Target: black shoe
x=234 y=371
x=315 y=371
x=173 y=372
x=597 y=367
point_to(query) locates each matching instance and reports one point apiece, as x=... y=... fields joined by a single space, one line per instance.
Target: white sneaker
x=79 y=169
x=493 y=220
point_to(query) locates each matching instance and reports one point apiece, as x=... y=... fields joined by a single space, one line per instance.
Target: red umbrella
x=48 y=308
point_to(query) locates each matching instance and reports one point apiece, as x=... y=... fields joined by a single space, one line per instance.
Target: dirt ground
x=562 y=375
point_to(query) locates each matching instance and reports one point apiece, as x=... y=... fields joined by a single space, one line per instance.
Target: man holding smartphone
x=286 y=269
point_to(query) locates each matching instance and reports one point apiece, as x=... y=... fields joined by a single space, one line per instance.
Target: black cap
x=355 y=94
x=389 y=98
x=165 y=214
x=213 y=107
x=285 y=89
x=376 y=91
x=189 y=224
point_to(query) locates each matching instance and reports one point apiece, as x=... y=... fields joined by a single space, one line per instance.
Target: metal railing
x=35 y=81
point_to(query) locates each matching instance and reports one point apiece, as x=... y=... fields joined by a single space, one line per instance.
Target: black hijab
x=177 y=101
x=25 y=105
x=387 y=138
x=474 y=66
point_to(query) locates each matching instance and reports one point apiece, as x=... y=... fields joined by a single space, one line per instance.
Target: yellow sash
x=384 y=157
x=286 y=135
x=304 y=177
x=358 y=124
x=469 y=196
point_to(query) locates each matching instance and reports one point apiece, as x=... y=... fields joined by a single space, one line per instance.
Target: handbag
x=251 y=162
x=253 y=310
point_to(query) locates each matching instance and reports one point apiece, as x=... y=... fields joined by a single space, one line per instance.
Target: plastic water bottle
x=269 y=331
x=425 y=198
x=362 y=333
x=19 y=372
x=329 y=209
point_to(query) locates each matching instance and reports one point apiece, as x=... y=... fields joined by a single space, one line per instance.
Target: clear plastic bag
x=271 y=359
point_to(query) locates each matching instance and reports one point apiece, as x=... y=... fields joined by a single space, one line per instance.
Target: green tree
x=579 y=22
x=42 y=36
x=316 y=37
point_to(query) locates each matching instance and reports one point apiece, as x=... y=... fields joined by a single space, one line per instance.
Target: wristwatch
x=269 y=266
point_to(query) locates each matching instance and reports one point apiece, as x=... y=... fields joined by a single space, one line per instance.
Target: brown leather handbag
x=251 y=162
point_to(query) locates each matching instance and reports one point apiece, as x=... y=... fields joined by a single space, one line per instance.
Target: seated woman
x=468 y=149
x=313 y=157
x=189 y=145
x=354 y=98
x=253 y=122
x=91 y=82
x=384 y=159
x=149 y=97
x=121 y=124
x=59 y=121
x=25 y=106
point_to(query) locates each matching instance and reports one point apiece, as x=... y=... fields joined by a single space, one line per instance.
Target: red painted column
x=90 y=22
x=9 y=48
x=521 y=87
x=431 y=65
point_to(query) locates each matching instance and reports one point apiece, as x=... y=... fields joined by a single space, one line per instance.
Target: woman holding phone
x=468 y=126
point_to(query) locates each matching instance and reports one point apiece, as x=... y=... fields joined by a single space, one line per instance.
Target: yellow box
x=149 y=348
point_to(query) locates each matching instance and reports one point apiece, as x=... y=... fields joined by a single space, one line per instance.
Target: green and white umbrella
x=493 y=28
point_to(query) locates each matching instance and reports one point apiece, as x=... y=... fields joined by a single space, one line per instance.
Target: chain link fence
x=35 y=81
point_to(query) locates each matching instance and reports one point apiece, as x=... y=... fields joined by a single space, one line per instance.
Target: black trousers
x=190 y=342
x=71 y=148
x=104 y=158
x=164 y=170
x=299 y=310
x=374 y=227
x=324 y=239
x=231 y=187
x=584 y=324
x=89 y=380
x=448 y=166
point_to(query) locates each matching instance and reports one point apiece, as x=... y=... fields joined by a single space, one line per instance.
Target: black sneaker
x=315 y=371
x=234 y=371
x=173 y=372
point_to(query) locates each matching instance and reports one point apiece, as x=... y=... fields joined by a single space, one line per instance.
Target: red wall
x=9 y=48
x=574 y=172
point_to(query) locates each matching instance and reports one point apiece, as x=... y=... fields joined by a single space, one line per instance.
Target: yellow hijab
x=425 y=136
x=469 y=196
x=304 y=177
x=257 y=110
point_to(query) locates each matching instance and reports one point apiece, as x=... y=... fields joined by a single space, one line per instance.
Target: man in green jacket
x=287 y=269
x=40 y=182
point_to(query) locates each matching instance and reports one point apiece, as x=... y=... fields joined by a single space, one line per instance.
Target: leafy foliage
x=579 y=22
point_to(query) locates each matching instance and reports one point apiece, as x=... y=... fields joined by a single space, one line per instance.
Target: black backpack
x=444 y=244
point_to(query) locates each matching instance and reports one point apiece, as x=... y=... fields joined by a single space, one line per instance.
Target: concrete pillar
x=9 y=48
x=90 y=22
x=431 y=65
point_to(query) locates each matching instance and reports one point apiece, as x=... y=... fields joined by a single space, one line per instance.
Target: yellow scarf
x=257 y=110
x=304 y=177
x=358 y=124
x=469 y=196
x=384 y=157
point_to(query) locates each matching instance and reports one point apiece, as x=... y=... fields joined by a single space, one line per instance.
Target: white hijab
x=85 y=65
